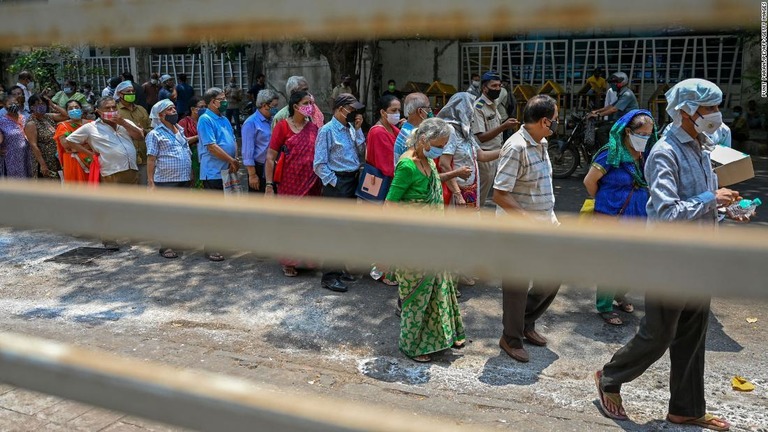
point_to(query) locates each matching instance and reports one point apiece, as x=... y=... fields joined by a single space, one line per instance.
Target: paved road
x=243 y=318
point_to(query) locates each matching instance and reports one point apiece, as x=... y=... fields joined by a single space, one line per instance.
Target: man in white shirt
x=27 y=84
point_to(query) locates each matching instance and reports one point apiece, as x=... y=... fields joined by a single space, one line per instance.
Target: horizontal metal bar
x=674 y=259
x=197 y=400
x=146 y=22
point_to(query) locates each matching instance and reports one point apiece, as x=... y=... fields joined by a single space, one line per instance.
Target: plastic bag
x=231 y=183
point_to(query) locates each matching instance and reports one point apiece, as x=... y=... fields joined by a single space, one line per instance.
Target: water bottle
x=744 y=208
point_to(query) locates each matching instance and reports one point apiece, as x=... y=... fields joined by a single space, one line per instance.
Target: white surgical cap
x=122 y=86
x=689 y=95
x=157 y=108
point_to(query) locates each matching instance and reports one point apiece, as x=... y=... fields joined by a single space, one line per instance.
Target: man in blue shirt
x=338 y=149
x=184 y=93
x=257 y=132
x=416 y=108
x=216 y=145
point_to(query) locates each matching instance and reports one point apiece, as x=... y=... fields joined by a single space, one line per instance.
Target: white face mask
x=709 y=123
x=476 y=84
x=393 y=118
x=638 y=142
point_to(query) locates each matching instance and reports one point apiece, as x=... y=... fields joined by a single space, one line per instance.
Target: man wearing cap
x=168 y=91
x=488 y=128
x=344 y=87
x=128 y=109
x=625 y=102
x=338 y=147
x=682 y=188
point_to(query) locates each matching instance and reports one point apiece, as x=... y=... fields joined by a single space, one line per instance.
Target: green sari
x=430 y=320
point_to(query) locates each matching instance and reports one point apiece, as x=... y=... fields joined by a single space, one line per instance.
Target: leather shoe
x=346 y=277
x=534 y=337
x=519 y=354
x=334 y=285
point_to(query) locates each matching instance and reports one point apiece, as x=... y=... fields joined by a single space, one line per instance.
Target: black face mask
x=493 y=94
x=553 y=127
x=172 y=118
x=351 y=117
x=13 y=108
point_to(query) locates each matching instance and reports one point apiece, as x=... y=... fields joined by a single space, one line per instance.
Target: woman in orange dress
x=73 y=164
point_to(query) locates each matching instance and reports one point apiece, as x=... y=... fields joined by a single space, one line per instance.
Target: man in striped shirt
x=523 y=185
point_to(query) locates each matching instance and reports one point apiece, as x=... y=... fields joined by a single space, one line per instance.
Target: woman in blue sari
x=616 y=181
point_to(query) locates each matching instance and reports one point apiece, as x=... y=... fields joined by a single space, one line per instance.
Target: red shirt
x=189 y=125
x=380 y=150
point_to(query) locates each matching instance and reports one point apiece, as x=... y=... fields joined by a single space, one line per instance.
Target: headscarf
x=689 y=95
x=157 y=108
x=122 y=86
x=617 y=151
x=458 y=113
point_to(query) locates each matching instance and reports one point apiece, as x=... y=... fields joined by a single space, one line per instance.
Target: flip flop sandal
x=626 y=306
x=459 y=344
x=215 y=257
x=611 y=318
x=707 y=421
x=614 y=398
x=290 y=271
x=422 y=359
x=387 y=281
x=168 y=253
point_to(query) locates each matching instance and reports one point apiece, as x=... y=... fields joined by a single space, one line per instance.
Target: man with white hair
x=256 y=134
x=416 y=109
x=683 y=188
x=128 y=108
x=293 y=85
x=168 y=90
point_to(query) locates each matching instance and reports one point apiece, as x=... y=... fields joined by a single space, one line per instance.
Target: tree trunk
x=342 y=59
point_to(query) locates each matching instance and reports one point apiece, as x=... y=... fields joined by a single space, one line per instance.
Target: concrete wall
x=414 y=60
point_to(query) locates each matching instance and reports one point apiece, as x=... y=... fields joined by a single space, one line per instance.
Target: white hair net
x=122 y=86
x=157 y=108
x=689 y=95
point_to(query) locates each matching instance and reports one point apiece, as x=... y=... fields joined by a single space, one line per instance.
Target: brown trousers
x=123 y=177
x=522 y=307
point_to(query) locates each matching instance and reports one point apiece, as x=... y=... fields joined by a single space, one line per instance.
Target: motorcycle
x=566 y=155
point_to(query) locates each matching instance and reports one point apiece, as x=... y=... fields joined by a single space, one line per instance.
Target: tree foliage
x=50 y=65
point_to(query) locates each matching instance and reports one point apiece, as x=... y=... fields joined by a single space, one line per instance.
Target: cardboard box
x=731 y=166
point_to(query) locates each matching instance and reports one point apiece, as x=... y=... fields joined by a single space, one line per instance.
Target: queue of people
x=430 y=163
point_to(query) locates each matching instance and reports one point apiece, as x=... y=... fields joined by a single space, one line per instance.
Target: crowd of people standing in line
x=457 y=158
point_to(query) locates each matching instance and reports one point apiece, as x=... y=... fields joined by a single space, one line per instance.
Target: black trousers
x=522 y=307
x=681 y=327
x=346 y=185
x=262 y=180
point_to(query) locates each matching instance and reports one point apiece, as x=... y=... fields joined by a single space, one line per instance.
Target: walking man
x=523 y=186
x=683 y=188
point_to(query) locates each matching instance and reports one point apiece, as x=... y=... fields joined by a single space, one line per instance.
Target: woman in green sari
x=430 y=320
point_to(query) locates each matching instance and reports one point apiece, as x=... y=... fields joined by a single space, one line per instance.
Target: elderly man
x=169 y=159
x=416 y=108
x=488 y=128
x=27 y=84
x=293 y=85
x=216 y=146
x=168 y=89
x=256 y=135
x=683 y=188
x=338 y=147
x=125 y=95
x=523 y=186
x=111 y=137
x=67 y=93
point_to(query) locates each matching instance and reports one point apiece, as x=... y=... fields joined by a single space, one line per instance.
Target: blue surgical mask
x=433 y=153
x=273 y=111
x=201 y=111
x=75 y=114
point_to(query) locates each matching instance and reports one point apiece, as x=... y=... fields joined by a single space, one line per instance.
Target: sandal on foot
x=290 y=271
x=422 y=359
x=459 y=344
x=386 y=281
x=625 y=306
x=611 y=318
x=614 y=399
x=168 y=253
x=215 y=257
x=707 y=421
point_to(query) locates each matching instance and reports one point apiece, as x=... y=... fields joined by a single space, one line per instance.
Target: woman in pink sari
x=293 y=145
